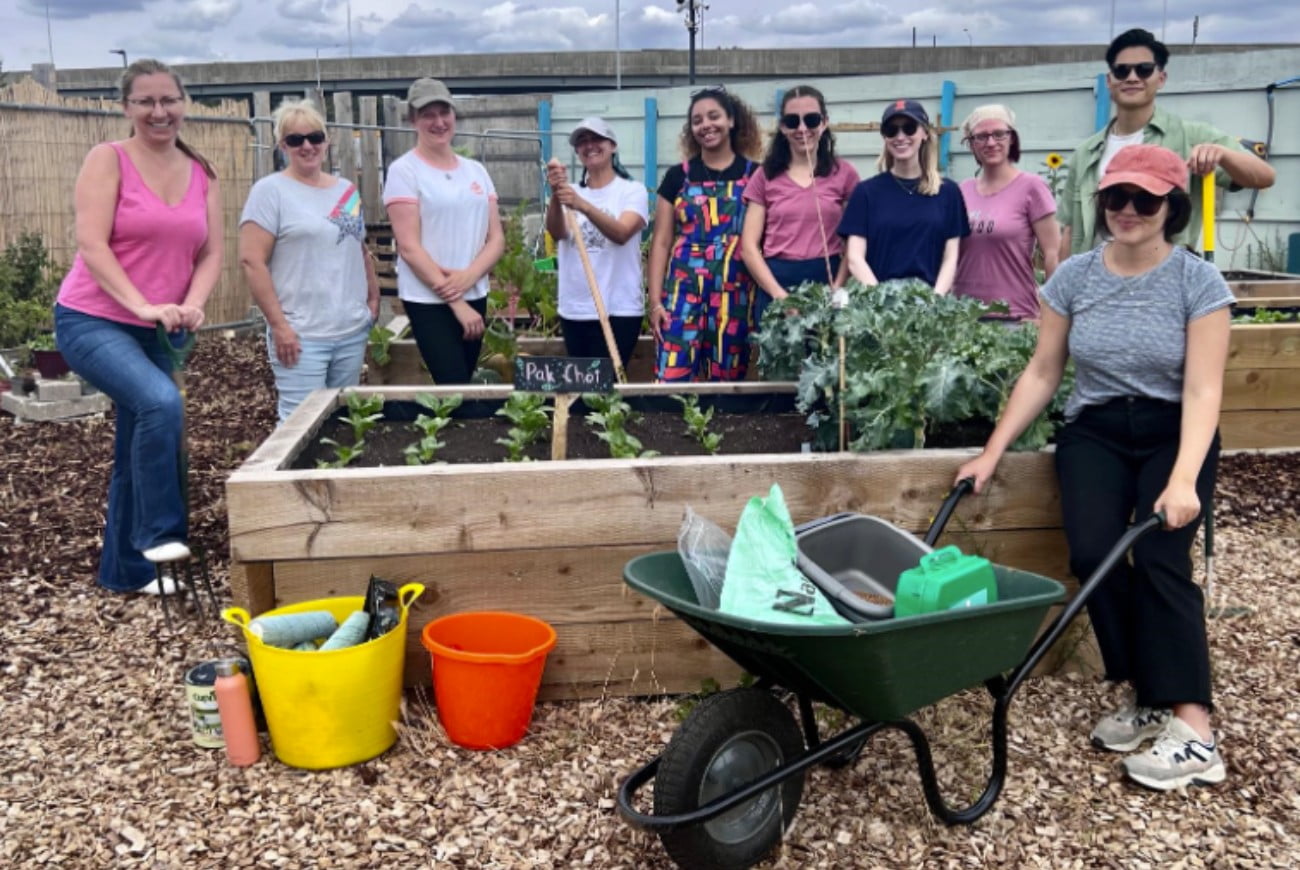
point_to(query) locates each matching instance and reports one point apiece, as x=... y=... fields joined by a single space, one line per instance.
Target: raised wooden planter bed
x=550 y=538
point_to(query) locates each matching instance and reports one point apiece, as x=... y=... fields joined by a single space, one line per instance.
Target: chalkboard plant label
x=564 y=374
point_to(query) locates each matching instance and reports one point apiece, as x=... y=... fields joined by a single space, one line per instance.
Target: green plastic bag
x=762 y=581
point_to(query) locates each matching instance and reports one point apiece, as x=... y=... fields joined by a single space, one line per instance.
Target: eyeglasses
x=1144 y=70
x=150 y=103
x=907 y=128
x=811 y=120
x=992 y=135
x=1144 y=202
x=294 y=140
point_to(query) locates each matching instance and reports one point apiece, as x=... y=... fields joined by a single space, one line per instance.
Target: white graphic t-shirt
x=617 y=267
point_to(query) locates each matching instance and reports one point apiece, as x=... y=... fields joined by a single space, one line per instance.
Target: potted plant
x=47 y=357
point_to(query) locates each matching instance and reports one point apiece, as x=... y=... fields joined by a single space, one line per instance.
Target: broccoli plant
x=697 y=423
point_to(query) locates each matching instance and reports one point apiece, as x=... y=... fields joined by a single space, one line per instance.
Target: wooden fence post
x=369 y=174
x=345 y=154
x=264 y=146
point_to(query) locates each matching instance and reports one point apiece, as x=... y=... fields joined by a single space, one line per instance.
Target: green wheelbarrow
x=729 y=782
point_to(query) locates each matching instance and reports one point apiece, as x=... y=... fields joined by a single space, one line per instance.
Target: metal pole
x=49 y=32
x=318 y=74
x=618 y=49
x=121 y=51
x=1112 y=19
x=693 y=27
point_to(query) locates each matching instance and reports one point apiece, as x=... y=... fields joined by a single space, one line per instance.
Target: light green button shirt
x=1076 y=208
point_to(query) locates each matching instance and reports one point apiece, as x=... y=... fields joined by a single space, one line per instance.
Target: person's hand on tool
x=192 y=317
x=287 y=346
x=1205 y=158
x=556 y=174
x=170 y=316
x=981 y=468
x=470 y=320
x=1179 y=503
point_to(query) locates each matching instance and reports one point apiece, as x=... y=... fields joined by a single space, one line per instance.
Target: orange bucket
x=487 y=666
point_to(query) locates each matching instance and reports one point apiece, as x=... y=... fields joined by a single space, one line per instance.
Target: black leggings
x=585 y=338
x=440 y=337
x=1113 y=462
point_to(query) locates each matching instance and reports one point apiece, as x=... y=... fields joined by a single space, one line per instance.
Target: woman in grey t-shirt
x=302 y=246
x=1147 y=325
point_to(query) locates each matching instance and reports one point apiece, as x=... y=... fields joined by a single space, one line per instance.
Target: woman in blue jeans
x=148 y=252
x=1147 y=324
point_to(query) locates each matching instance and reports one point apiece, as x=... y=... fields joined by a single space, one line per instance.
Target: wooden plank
x=1291 y=302
x=264 y=152
x=1253 y=289
x=1259 y=429
x=343 y=136
x=1264 y=346
x=371 y=168
x=284 y=442
x=252 y=586
x=1261 y=389
x=381 y=511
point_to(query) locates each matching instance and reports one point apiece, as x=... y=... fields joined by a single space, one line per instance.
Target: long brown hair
x=746 y=138
x=777 y=159
x=147 y=66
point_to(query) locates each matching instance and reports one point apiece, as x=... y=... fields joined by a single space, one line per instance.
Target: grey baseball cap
x=425 y=91
x=593 y=125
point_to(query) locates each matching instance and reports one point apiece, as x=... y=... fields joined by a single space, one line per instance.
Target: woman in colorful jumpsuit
x=700 y=296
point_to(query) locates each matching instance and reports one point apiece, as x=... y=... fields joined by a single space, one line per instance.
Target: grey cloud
x=63 y=9
x=319 y=11
x=203 y=16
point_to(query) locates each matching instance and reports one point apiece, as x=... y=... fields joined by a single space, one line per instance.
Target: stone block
x=56 y=390
x=29 y=409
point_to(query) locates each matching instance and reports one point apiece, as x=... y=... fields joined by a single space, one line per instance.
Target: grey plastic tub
x=851 y=555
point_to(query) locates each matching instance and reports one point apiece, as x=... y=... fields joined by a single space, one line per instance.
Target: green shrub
x=29 y=281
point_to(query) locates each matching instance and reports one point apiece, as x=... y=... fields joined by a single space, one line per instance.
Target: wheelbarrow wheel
x=728 y=741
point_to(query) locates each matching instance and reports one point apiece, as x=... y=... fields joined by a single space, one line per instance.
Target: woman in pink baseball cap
x=1146 y=323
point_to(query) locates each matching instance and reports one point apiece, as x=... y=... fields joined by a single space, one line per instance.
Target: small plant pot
x=50 y=363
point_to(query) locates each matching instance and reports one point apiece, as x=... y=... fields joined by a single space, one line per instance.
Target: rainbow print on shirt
x=346 y=215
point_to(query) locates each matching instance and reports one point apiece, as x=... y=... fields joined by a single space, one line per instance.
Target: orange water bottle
x=235 y=707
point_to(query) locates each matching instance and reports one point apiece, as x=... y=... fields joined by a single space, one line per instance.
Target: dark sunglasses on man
x=907 y=128
x=1144 y=70
x=811 y=120
x=295 y=140
x=1144 y=202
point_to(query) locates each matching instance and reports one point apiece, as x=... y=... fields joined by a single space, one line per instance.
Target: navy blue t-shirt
x=905 y=230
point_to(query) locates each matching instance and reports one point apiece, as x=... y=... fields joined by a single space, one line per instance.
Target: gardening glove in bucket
x=762 y=582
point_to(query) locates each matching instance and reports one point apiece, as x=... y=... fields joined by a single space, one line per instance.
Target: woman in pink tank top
x=148 y=252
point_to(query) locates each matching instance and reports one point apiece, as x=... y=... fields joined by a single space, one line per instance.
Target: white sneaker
x=172 y=551
x=1179 y=758
x=167 y=586
x=1129 y=727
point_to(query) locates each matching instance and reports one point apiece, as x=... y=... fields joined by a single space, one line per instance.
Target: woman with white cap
x=908 y=220
x=1146 y=322
x=1009 y=211
x=443 y=208
x=610 y=210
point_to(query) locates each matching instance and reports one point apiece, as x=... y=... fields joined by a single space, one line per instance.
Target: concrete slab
x=29 y=409
x=57 y=390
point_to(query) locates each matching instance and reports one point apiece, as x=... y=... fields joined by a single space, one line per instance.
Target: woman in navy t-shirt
x=907 y=221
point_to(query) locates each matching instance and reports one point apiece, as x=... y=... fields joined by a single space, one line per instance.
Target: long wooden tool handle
x=1207 y=215
x=572 y=223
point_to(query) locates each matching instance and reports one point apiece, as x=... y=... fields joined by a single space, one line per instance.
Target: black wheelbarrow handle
x=964 y=486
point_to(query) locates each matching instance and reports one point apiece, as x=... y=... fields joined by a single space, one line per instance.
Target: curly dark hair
x=746 y=139
x=777 y=159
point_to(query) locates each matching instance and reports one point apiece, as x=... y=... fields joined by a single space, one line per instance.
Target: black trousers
x=440 y=337
x=585 y=338
x=1113 y=461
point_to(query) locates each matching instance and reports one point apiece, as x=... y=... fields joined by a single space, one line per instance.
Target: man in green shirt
x=1136 y=62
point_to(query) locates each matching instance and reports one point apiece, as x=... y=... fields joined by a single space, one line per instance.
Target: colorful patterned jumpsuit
x=710 y=295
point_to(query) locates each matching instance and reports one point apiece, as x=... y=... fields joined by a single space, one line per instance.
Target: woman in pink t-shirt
x=795 y=202
x=1009 y=212
x=148 y=253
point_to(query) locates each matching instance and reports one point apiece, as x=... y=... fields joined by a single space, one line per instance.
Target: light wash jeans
x=321 y=365
x=145 y=507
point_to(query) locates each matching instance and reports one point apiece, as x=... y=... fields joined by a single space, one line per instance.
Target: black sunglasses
x=294 y=140
x=1145 y=70
x=811 y=120
x=908 y=128
x=1144 y=202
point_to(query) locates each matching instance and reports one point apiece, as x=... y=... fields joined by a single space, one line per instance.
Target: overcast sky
x=83 y=31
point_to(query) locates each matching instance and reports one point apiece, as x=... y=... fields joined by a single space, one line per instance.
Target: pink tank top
x=155 y=243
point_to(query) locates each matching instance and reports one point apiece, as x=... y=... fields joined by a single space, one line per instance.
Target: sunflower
x=1054 y=161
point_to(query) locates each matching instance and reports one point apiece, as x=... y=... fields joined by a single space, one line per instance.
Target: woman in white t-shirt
x=302 y=247
x=611 y=211
x=443 y=208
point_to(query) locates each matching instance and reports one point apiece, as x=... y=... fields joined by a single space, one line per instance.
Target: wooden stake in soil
x=572 y=223
x=560 y=425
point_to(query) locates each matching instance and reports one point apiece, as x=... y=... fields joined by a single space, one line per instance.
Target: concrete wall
x=1056 y=109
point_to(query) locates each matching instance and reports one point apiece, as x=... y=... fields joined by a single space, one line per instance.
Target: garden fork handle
x=177 y=353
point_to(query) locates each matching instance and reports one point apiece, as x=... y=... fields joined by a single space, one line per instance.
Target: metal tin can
x=200 y=692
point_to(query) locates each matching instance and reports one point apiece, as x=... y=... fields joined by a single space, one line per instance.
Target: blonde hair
x=927 y=155
x=293 y=112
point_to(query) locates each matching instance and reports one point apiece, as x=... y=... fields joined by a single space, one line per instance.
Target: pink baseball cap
x=1153 y=168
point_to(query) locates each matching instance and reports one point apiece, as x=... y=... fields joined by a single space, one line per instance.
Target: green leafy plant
x=344 y=454
x=363 y=413
x=42 y=341
x=697 y=423
x=529 y=417
x=1264 y=315
x=609 y=418
x=29 y=279
x=520 y=292
x=423 y=451
x=913 y=361
x=378 y=342
x=1055 y=173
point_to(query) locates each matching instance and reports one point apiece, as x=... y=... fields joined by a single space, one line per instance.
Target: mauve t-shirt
x=790 y=230
x=996 y=259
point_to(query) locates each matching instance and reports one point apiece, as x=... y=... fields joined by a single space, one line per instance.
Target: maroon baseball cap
x=910 y=108
x=1153 y=168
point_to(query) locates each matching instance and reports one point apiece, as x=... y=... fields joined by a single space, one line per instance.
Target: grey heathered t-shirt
x=317 y=264
x=1128 y=335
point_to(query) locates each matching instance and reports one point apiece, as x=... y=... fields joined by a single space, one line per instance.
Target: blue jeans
x=145 y=507
x=323 y=364
x=790 y=274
